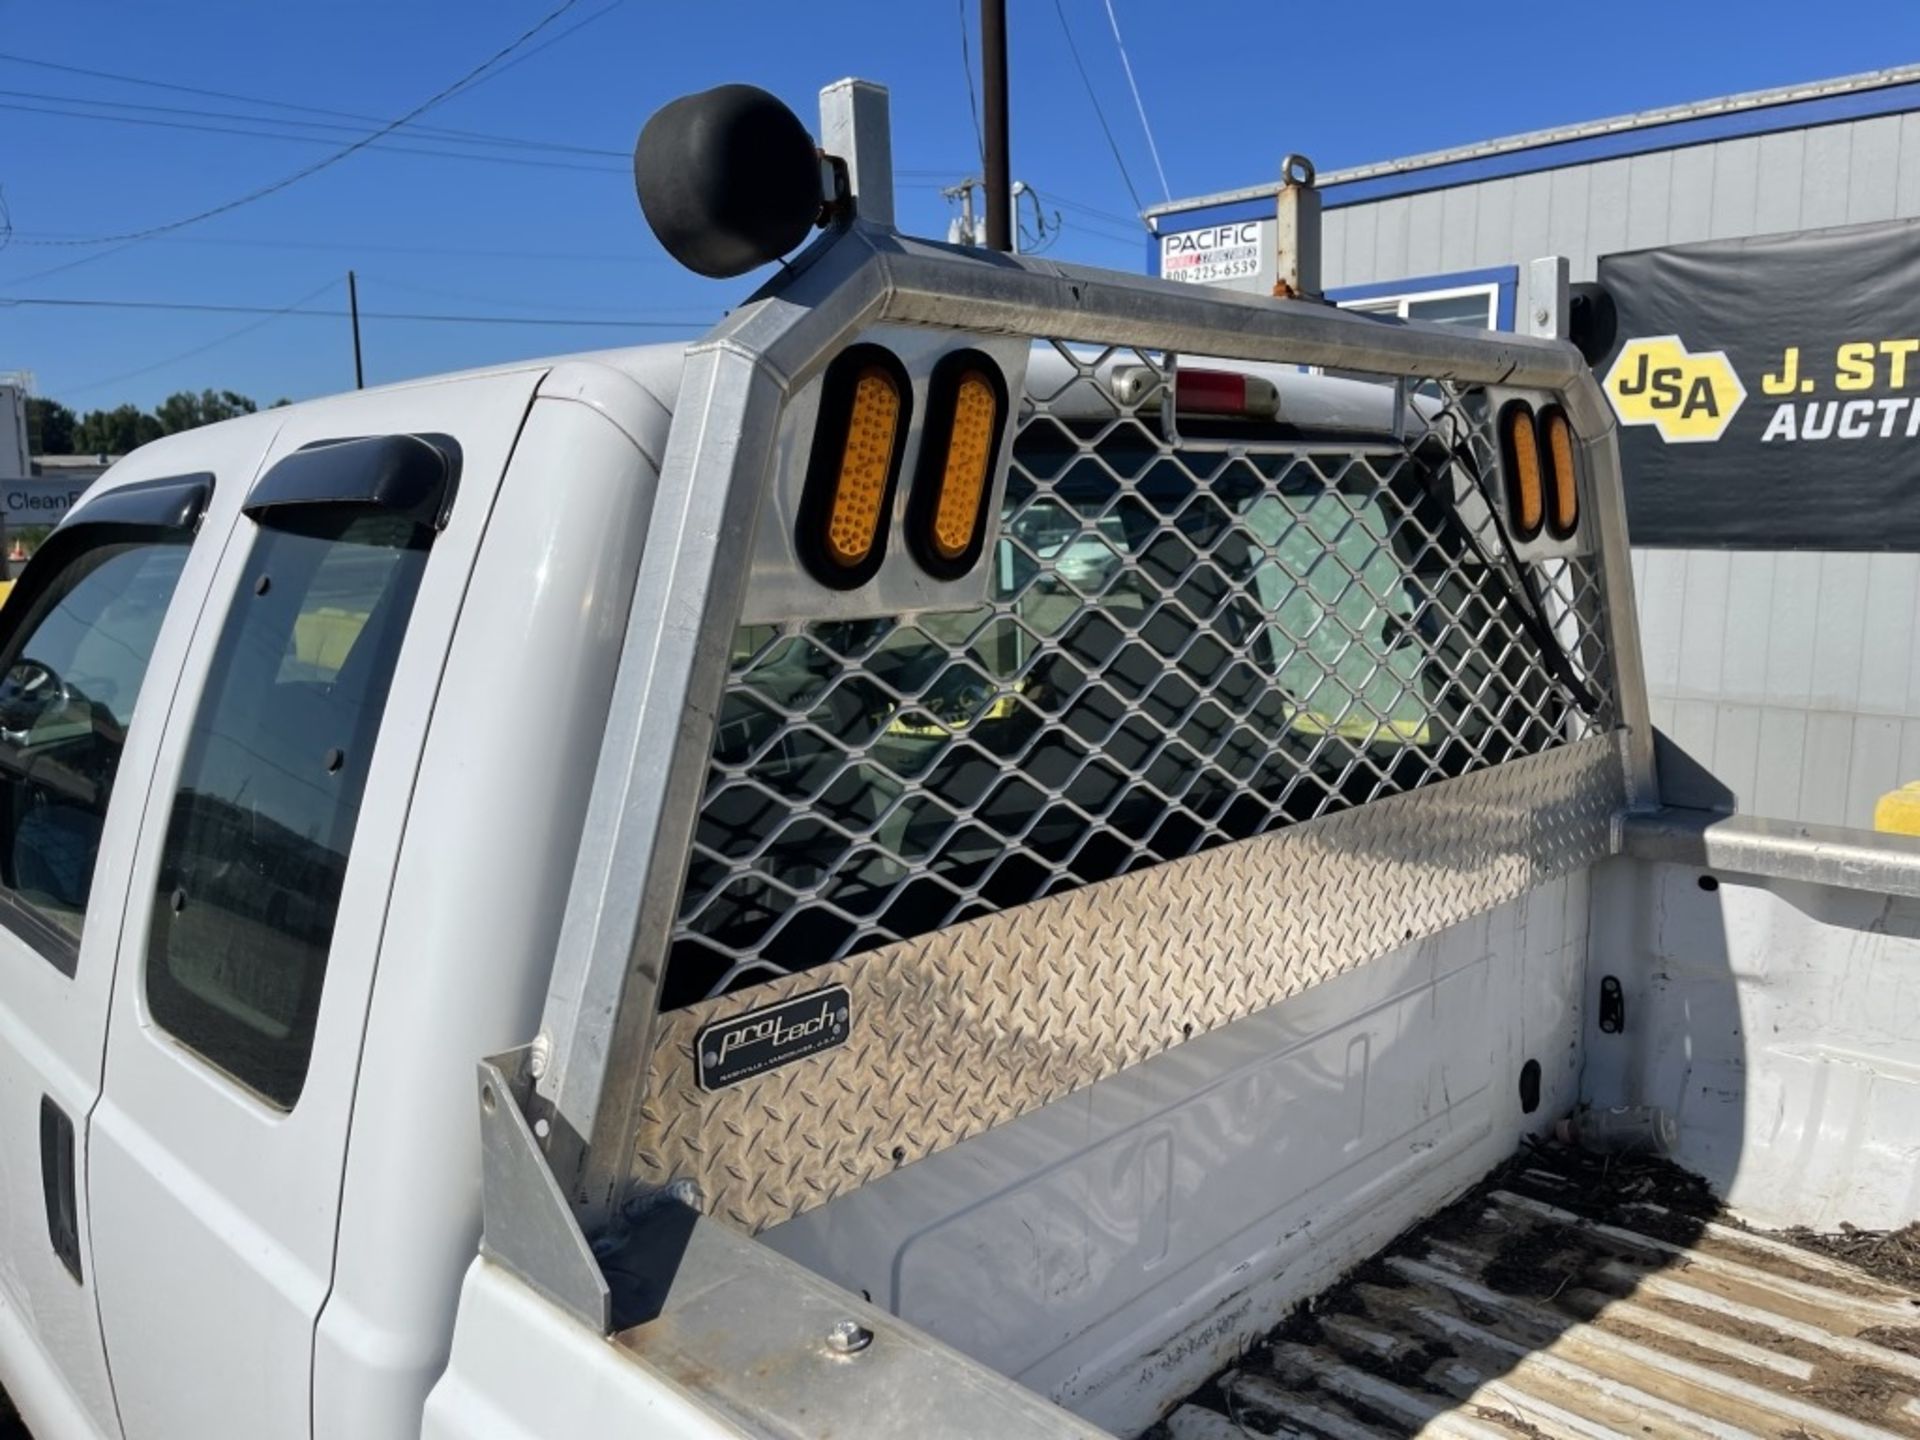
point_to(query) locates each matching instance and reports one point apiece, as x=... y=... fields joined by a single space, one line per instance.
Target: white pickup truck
x=930 y=864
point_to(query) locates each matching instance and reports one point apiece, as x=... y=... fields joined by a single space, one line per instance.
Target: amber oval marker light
x=853 y=514
x=858 y=438
x=963 y=479
x=1520 y=453
x=947 y=516
x=1563 y=490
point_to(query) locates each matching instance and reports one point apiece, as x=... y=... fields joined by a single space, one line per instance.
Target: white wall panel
x=1906 y=187
x=1532 y=213
x=1424 y=218
x=1336 y=230
x=1690 y=196
x=1736 y=188
x=1790 y=634
x=1736 y=749
x=1783 y=746
x=1893 y=599
x=1825 y=768
x=1837 y=628
x=1874 y=765
x=1873 y=158
x=1649 y=196
x=1493 y=222
x=1606 y=213
x=1743 y=664
x=1824 y=177
x=1567 y=214
x=1703 y=624
x=1782 y=158
x=1391 y=246
x=1456 y=230
x=1356 y=246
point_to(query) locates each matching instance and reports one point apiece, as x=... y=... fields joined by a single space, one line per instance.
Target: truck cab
x=939 y=861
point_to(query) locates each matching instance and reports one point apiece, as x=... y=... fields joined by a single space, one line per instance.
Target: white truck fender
x=524 y=1370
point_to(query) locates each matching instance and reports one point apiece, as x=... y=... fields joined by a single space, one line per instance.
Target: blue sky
x=557 y=235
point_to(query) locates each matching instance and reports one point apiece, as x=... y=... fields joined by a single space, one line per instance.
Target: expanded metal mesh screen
x=1182 y=646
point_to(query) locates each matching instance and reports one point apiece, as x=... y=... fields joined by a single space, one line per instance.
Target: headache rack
x=1233 y=711
x=1182 y=644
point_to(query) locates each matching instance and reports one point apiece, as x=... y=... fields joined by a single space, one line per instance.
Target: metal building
x=1788 y=679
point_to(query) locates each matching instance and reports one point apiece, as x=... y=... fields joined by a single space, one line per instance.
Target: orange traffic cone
x=18 y=552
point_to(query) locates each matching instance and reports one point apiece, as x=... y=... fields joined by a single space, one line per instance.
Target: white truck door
x=91 y=643
x=258 y=897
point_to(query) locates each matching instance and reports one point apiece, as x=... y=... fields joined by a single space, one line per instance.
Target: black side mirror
x=1592 y=322
x=728 y=179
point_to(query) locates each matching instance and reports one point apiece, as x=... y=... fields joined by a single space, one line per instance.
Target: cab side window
x=71 y=665
x=257 y=843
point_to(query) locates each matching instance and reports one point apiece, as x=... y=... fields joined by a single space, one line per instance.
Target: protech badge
x=732 y=1050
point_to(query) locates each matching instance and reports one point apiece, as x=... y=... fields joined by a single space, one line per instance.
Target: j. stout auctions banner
x=1769 y=390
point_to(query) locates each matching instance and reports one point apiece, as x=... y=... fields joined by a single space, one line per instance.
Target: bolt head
x=687 y=1192
x=848 y=1337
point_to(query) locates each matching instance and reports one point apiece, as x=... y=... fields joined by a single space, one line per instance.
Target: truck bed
x=1572 y=1296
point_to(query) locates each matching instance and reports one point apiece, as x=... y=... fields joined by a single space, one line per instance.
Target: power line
x=67 y=265
x=201 y=349
x=253 y=132
x=410 y=287
x=973 y=101
x=1090 y=230
x=549 y=43
x=624 y=323
x=471 y=77
x=1099 y=113
x=267 y=102
x=1131 y=224
x=1133 y=85
x=387 y=247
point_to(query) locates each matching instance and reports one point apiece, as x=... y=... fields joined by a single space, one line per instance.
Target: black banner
x=1768 y=390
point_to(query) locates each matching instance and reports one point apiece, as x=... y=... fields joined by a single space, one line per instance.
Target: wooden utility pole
x=999 y=160
x=353 y=305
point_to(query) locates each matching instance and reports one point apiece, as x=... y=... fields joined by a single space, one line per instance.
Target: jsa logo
x=1685 y=397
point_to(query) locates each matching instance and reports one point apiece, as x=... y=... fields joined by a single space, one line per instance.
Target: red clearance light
x=1225 y=392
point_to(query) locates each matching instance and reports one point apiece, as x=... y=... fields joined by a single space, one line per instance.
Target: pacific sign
x=1216 y=253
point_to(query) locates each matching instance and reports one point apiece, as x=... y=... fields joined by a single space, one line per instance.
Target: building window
x=1480 y=299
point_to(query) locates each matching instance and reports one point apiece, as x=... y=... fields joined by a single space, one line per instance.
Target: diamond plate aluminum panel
x=963 y=1029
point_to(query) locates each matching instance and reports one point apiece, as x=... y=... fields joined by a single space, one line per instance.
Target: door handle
x=59 y=1179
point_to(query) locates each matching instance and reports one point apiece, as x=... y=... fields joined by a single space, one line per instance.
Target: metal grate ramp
x=1566 y=1298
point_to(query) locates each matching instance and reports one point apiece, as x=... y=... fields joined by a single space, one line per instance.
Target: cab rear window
x=270 y=794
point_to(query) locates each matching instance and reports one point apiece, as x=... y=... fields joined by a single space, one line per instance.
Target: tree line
x=53 y=429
